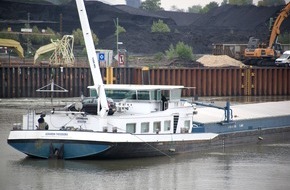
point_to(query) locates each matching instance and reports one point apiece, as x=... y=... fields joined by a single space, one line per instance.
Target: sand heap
x=219 y=61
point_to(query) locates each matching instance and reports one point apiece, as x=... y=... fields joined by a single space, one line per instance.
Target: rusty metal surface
x=23 y=81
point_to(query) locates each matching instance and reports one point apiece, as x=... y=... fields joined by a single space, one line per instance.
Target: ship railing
x=30 y=119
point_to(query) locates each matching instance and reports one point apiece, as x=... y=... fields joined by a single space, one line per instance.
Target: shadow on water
x=256 y=151
x=89 y=166
x=230 y=168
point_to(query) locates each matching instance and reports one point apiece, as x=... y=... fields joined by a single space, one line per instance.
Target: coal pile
x=225 y=24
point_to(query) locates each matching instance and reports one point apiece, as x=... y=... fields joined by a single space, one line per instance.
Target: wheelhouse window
x=156 y=126
x=131 y=95
x=131 y=127
x=145 y=127
x=167 y=125
x=155 y=95
x=143 y=95
x=121 y=94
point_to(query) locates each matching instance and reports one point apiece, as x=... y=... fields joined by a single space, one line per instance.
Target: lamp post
x=117 y=35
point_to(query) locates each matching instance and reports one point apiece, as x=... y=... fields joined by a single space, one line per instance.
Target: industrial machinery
x=262 y=54
x=62 y=51
x=9 y=43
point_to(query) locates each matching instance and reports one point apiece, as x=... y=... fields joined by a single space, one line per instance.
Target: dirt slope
x=226 y=24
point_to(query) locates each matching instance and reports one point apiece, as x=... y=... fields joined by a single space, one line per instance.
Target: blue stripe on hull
x=65 y=150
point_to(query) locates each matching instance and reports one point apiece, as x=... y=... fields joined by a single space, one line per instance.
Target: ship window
x=143 y=95
x=155 y=95
x=121 y=94
x=93 y=92
x=156 y=126
x=145 y=127
x=131 y=127
x=185 y=129
x=131 y=95
x=167 y=125
x=187 y=124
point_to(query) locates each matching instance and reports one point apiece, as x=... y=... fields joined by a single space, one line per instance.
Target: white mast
x=92 y=57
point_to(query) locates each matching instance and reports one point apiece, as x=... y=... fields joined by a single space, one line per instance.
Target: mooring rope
x=152 y=146
x=145 y=142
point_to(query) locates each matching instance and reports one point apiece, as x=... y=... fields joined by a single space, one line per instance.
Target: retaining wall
x=23 y=81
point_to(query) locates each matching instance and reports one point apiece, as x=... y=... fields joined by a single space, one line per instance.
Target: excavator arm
x=265 y=55
x=12 y=44
x=276 y=26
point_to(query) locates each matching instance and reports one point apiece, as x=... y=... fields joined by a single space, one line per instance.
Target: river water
x=261 y=166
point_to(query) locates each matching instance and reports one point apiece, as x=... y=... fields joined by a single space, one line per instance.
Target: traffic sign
x=101 y=56
x=121 y=59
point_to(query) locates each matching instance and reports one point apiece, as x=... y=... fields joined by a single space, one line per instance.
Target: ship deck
x=244 y=112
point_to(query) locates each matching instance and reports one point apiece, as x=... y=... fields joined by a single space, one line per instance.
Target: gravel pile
x=219 y=61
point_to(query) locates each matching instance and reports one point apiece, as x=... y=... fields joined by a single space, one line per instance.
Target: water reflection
x=241 y=153
x=231 y=168
x=90 y=166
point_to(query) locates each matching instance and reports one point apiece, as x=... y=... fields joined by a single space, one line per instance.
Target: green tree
x=184 y=51
x=240 y=2
x=181 y=51
x=37 y=36
x=159 y=26
x=208 y=7
x=271 y=2
x=50 y=34
x=194 y=9
x=151 y=5
x=120 y=30
x=79 y=38
x=171 y=53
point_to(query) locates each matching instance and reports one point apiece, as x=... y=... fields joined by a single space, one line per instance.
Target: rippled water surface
x=264 y=166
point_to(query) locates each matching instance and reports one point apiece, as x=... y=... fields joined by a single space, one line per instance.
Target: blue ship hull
x=57 y=148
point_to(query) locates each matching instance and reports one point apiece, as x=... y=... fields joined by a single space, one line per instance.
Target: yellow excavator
x=12 y=44
x=265 y=54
